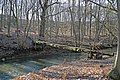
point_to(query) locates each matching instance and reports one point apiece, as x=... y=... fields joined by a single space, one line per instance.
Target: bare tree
x=72 y=13
x=2 y=16
x=115 y=73
x=9 y=17
x=90 y=32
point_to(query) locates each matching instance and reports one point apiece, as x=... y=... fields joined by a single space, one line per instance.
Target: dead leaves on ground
x=66 y=70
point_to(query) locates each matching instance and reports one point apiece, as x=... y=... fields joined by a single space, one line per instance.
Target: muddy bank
x=38 y=52
x=11 y=49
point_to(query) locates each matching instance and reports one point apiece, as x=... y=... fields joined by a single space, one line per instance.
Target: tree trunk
x=73 y=21
x=90 y=21
x=115 y=73
x=42 y=25
x=9 y=16
x=51 y=22
x=84 y=23
x=2 y=17
x=79 y=24
x=21 y=13
x=97 y=23
x=44 y=7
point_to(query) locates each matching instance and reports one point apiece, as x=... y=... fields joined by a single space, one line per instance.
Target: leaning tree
x=115 y=72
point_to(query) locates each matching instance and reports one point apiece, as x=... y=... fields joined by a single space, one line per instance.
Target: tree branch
x=103 y=6
x=30 y=8
x=111 y=4
x=41 y=4
x=53 y=4
x=57 y=12
x=1 y=2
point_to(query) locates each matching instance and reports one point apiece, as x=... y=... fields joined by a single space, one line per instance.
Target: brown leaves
x=65 y=71
x=81 y=70
x=33 y=76
x=29 y=76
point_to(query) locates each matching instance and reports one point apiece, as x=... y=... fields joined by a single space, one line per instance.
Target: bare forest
x=37 y=28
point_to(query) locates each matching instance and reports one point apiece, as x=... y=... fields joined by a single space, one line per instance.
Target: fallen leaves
x=69 y=71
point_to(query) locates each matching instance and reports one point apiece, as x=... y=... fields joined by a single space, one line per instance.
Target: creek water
x=14 y=68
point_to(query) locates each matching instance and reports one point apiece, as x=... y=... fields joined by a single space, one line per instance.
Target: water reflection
x=11 y=69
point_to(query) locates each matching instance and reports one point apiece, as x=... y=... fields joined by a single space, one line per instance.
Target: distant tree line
x=73 y=20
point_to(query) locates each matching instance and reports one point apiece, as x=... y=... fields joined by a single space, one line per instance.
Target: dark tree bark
x=44 y=6
x=115 y=73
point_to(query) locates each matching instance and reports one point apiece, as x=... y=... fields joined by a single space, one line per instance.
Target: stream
x=14 y=68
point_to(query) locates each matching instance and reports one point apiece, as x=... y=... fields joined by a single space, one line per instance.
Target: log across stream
x=92 y=53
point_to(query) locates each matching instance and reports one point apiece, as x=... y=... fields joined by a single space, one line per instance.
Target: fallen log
x=75 y=49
